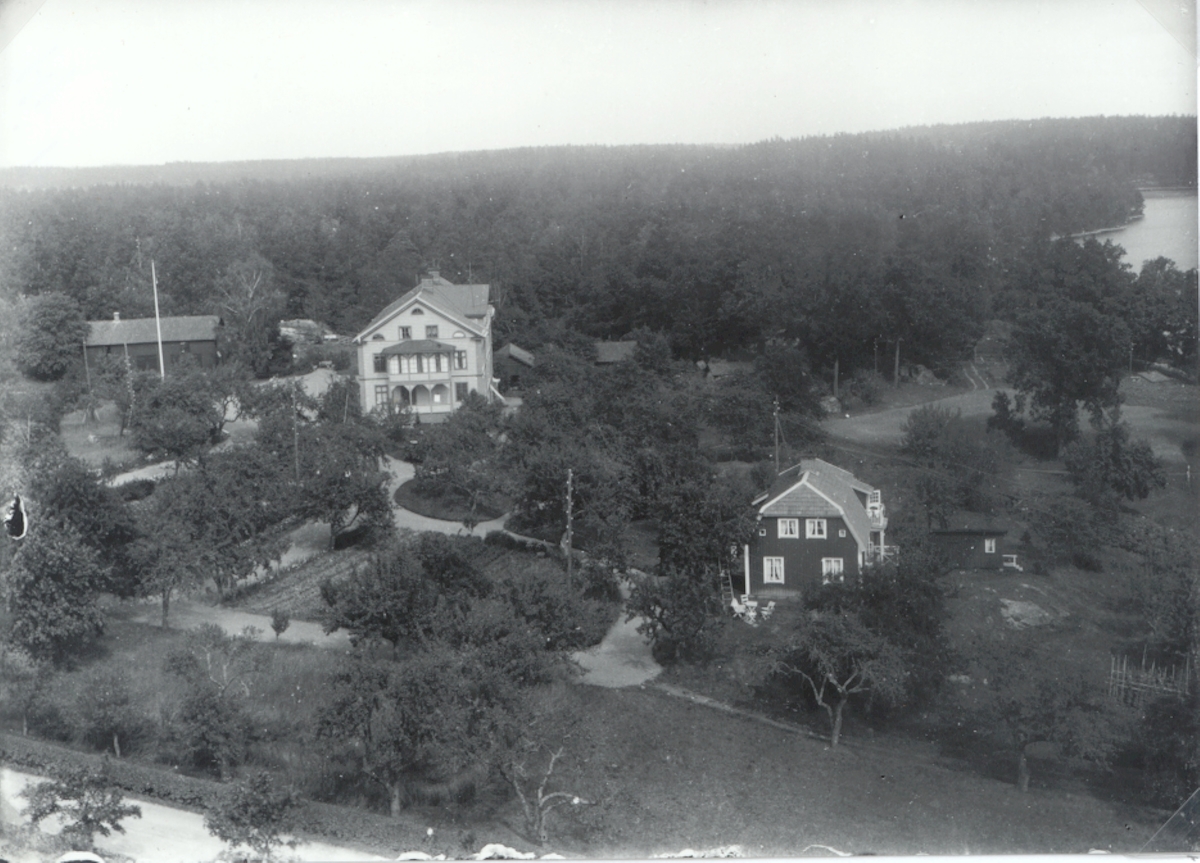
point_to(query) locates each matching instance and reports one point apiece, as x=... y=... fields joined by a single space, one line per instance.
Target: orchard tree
x=680 y=612
x=219 y=670
x=839 y=657
x=23 y=679
x=428 y=719
x=107 y=710
x=85 y=800
x=255 y=813
x=51 y=331
x=1040 y=702
x=340 y=479
x=463 y=457
x=53 y=583
x=1112 y=465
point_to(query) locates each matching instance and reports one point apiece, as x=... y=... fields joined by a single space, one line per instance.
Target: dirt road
x=163 y=833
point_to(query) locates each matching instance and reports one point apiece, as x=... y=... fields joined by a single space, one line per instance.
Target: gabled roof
x=136 y=331
x=512 y=352
x=467 y=303
x=817 y=489
x=614 y=352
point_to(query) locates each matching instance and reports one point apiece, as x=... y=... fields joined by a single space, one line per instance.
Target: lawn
x=95 y=441
x=447 y=507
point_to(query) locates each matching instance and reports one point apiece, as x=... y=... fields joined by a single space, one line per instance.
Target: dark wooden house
x=971 y=541
x=195 y=336
x=817 y=524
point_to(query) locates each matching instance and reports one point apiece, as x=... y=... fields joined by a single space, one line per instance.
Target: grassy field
x=448 y=507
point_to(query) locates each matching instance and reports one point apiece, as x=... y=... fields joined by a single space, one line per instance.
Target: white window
x=381 y=394
x=405 y=333
x=831 y=570
x=842 y=534
x=789 y=528
x=431 y=331
x=989 y=546
x=460 y=359
x=772 y=570
x=814 y=528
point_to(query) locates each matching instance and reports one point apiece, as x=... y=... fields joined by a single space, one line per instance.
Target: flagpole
x=162 y=369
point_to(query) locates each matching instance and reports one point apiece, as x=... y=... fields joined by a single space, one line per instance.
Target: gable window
x=378 y=337
x=772 y=570
x=789 y=528
x=989 y=546
x=460 y=359
x=431 y=331
x=814 y=528
x=417 y=312
x=380 y=363
x=832 y=570
x=842 y=534
x=460 y=391
x=381 y=394
x=459 y=334
x=405 y=333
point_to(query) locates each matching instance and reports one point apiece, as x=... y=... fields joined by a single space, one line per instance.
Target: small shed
x=971 y=541
x=510 y=363
x=608 y=353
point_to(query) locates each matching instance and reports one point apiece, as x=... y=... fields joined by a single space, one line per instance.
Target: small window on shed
x=842 y=534
x=989 y=546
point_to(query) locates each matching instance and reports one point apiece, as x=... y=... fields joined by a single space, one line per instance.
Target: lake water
x=1167 y=228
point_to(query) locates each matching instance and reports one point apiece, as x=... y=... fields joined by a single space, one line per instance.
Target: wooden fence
x=1138 y=684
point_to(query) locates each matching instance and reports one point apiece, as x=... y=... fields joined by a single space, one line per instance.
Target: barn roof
x=136 y=331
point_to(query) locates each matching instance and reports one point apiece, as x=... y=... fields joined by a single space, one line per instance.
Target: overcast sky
x=94 y=82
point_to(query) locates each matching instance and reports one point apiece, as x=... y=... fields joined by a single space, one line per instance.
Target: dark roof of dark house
x=136 y=331
x=418 y=346
x=512 y=352
x=614 y=352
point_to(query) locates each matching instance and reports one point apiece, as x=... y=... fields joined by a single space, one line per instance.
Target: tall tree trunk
x=166 y=606
x=837 y=722
x=116 y=745
x=395 y=798
x=1022 y=771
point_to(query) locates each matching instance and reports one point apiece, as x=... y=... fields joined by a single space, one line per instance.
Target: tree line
x=849 y=243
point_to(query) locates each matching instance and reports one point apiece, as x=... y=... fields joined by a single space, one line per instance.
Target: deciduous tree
x=50 y=336
x=86 y=801
x=256 y=813
x=839 y=657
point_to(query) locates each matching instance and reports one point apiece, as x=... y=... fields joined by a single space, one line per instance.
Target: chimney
x=116 y=316
x=433 y=274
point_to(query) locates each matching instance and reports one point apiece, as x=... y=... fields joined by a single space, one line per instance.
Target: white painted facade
x=429 y=349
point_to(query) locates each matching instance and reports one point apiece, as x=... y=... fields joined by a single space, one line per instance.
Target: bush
x=681 y=616
x=543 y=598
x=864 y=388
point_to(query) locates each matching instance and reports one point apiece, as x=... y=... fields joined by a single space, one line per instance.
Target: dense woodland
x=846 y=243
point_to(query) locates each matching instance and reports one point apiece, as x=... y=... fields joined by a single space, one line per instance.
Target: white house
x=429 y=349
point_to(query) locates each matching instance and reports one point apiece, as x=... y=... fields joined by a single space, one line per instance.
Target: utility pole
x=162 y=368
x=570 y=519
x=90 y=413
x=775 y=412
x=836 y=361
x=896 y=367
x=295 y=435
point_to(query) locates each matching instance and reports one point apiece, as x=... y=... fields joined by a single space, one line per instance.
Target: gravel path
x=164 y=833
x=623 y=658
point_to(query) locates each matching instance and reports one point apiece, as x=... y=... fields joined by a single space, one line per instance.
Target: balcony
x=882 y=553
